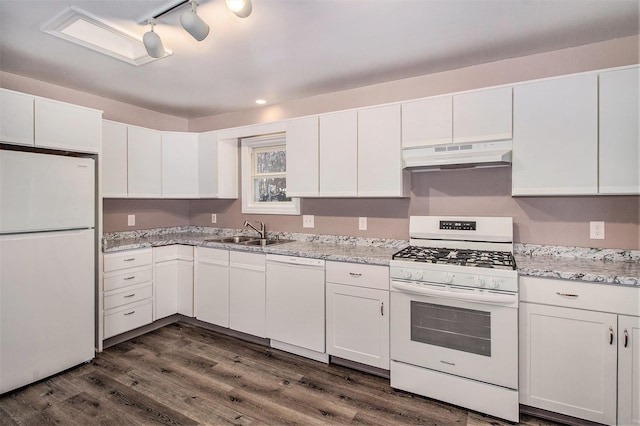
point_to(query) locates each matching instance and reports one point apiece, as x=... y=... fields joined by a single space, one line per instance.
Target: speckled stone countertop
x=374 y=251
x=603 y=266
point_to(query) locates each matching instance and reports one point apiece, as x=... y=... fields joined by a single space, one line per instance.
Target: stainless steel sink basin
x=265 y=242
x=248 y=241
x=236 y=239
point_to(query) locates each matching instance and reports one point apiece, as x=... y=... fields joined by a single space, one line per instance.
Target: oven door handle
x=472 y=296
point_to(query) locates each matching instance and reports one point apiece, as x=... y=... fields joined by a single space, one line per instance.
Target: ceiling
x=292 y=49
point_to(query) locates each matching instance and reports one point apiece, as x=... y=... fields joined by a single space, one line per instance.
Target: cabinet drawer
x=213 y=256
x=580 y=295
x=124 y=296
x=244 y=260
x=172 y=252
x=127 y=318
x=133 y=276
x=128 y=259
x=358 y=274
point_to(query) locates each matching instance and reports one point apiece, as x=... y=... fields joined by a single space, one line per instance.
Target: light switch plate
x=131 y=220
x=214 y=218
x=596 y=230
x=308 y=221
x=362 y=223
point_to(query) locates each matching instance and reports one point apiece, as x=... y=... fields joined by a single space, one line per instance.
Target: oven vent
x=458 y=156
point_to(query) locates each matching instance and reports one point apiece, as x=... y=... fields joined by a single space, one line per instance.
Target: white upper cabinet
x=179 y=165
x=483 y=115
x=114 y=159
x=144 y=154
x=339 y=154
x=60 y=125
x=303 y=157
x=619 y=146
x=16 y=118
x=427 y=122
x=555 y=136
x=217 y=166
x=379 y=153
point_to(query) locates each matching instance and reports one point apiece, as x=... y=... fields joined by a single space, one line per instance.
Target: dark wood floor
x=186 y=375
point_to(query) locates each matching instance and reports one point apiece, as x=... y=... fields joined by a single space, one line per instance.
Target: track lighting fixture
x=153 y=43
x=193 y=24
x=190 y=21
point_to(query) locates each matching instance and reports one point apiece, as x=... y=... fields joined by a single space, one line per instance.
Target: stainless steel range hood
x=456 y=156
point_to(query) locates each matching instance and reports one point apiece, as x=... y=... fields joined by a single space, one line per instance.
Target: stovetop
x=461 y=257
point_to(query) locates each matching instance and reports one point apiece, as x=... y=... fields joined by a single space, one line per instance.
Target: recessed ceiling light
x=261 y=101
x=82 y=28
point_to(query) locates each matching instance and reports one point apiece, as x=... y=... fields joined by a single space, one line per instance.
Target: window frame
x=247 y=146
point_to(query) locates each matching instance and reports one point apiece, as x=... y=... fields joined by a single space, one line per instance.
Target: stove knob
x=417 y=275
x=493 y=283
x=448 y=277
x=406 y=274
x=480 y=281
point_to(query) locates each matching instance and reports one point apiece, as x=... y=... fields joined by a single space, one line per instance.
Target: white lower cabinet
x=357 y=298
x=573 y=358
x=247 y=293
x=128 y=291
x=211 y=286
x=628 y=370
x=173 y=280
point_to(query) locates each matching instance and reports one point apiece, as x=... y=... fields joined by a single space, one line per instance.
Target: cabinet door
x=555 y=137
x=379 y=152
x=303 y=157
x=484 y=115
x=184 y=287
x=144 y=168
x=619 y=148
x=247 y=293
x=339 y=154
x=165 y=289
x=358 y=324
x=628 y=370
x=179 y=165
x=114 y=159
x=16 y=118
x=568 y=361
x=427 y=122
x=60 y=125
x=212 y=286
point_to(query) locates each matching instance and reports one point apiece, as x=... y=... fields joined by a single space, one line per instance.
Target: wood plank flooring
x=185 y=375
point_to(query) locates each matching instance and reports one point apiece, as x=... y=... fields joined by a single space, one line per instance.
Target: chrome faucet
x=262 y=231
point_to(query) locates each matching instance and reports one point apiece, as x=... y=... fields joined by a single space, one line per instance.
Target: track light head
x=242 y=8
x=153 y=43
x=193 y=24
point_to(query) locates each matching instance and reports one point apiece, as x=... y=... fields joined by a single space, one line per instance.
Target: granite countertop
x=602 y=266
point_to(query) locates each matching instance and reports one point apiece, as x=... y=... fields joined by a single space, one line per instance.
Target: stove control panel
x=452 y=225
x=488 y=279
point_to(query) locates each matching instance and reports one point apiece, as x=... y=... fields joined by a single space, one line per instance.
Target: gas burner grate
x=460 y=257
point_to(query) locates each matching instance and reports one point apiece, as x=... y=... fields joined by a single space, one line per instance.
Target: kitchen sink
x=236 y=239
x=248 y=241
x=265 y=242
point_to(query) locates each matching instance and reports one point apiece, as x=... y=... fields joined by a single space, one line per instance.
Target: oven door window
x=461 y=329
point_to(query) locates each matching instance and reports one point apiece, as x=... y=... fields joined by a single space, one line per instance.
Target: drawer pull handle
x=130 y=313
x=382 y=308
x=610 y=335
x=355 y=274
x=626 y=338
x=567 y=294
x=131 y=259
x=130 y=295
x=130 y=278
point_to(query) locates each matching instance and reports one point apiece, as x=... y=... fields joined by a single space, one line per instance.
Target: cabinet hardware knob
x=130 y=278
x=355 y=274
x=130 y=313
x=626 y=338
x=610 y=335
x=567 y=294
x=130 y=295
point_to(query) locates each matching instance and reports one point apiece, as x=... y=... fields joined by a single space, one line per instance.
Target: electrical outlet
x=307 y=221
x=596 y=230
x=131 y=220
x=214 y=218
x=362 y=223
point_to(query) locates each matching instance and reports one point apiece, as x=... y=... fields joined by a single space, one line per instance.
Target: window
x=264 y=176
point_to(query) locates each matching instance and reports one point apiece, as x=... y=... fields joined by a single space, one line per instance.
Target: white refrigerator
x=47 y=265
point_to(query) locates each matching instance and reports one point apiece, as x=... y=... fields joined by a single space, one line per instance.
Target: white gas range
x=454 y=313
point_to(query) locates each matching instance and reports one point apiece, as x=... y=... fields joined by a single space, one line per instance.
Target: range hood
x=455 y=156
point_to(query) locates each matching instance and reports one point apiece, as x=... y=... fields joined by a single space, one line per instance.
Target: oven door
x=467 y=338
